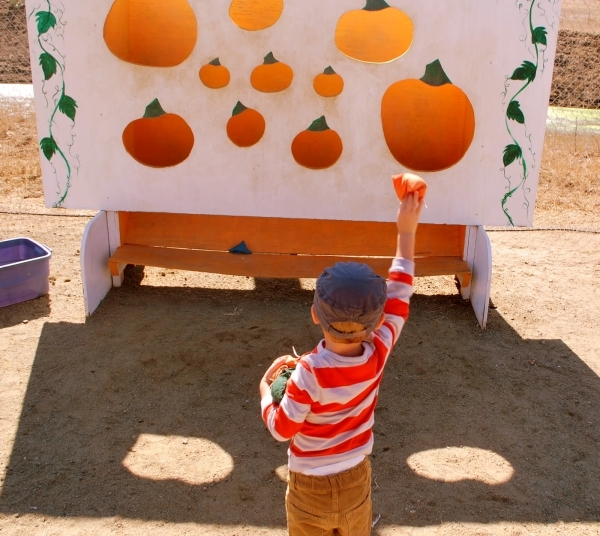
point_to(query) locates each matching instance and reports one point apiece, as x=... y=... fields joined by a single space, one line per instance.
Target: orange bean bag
x=407 y=183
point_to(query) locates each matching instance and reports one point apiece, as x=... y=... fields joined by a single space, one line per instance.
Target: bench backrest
x=284 y=235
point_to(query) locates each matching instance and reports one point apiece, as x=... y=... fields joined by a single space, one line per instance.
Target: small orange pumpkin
x=255 y=14
x=272 y=75
x=246 y=126
x=328 y=83
x=214 y=75
x=377 y=33
x=429 y=123
x=317 y=147
x=158 y=139
x=145 y=32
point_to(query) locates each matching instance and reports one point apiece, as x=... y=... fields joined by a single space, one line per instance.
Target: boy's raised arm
x=407 y=222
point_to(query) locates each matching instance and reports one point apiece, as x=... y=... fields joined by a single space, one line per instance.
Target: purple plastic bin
x=24 y=270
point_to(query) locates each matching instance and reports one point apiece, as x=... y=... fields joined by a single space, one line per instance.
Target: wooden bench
x=285 y=248
x=281 y=248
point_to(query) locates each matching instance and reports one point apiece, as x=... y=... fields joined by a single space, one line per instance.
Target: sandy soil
x=144 y=418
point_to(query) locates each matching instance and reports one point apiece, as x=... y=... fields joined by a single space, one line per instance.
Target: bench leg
x=117 y=269
x=478 y=254
x=95 y=251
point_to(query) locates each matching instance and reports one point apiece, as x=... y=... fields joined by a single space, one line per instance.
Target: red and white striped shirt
x=328 y=407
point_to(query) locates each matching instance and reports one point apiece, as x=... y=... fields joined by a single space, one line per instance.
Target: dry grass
x=569 y=186
x=568 y=194
x=20 y=170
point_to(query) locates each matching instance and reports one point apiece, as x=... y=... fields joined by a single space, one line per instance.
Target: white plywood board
x=479 y=44
x=95 y=251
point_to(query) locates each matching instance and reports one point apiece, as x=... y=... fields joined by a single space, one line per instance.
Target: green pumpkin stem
x=215 y=62
x=154 y=109
x=319 y=125
x=329 y=70
x=270 y=59
x=435 y=75
x=239 y=108
x=375 y=5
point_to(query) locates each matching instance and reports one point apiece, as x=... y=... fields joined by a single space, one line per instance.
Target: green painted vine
x=49 y=32
x=514 y=155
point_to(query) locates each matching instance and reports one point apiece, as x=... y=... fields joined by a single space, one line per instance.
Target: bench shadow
x=174 y=362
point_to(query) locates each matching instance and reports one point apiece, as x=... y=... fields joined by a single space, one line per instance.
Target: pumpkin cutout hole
x=214 y=75
x=255 y=15
x=378 y=33
x=328 y=83
x=158 y=139
x=146 y=32
x=317 y=147
x=246 y=126
x=429 y=123
x=272 y=76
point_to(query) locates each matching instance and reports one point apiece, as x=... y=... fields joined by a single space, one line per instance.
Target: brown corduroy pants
x=337 y=504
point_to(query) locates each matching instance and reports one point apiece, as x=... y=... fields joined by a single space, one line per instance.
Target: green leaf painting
x=511 y=153
x=515 y=113
x=48 y=64
x=539 y=36
x=45 y=21
x=53 y=63
x=48 y=146
x=67 y=106
x=527 y=72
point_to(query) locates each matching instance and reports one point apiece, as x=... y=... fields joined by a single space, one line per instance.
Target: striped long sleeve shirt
x=329 y=405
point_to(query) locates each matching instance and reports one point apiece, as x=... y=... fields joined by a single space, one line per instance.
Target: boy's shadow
x=163 y=364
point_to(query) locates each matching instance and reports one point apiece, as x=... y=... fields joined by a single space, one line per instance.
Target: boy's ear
x=314 y=316
x=381 y=321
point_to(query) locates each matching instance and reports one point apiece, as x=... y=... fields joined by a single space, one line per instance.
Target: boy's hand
x=409 y=213
x=276 y=365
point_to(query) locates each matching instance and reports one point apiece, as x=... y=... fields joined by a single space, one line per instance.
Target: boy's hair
x=348 y=327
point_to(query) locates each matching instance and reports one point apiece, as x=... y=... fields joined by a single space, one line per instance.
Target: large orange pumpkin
x=158 y=139
x=148 y=32
x=255 y=14
x=429 y=123
x=377 y=33
x=246 y=126
x=272 y=75
x=214 y=75
x=317 y=147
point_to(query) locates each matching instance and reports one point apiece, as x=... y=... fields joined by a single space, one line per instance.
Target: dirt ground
x=144 y=418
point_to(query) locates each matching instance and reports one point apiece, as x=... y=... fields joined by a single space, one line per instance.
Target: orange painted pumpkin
x=214 y=75
x=317 y=147
x=377 y=33
x=429 y=123
x=146 y=32
x=328 y=83
x=245 y=126
x=272 y=75
x=158 y=139
x=255 y=14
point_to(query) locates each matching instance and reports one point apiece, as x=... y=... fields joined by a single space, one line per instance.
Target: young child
x=328 y=406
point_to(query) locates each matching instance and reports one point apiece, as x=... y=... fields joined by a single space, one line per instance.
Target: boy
x=328 y=407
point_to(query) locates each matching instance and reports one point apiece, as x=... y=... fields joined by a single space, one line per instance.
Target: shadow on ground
x=176 y=362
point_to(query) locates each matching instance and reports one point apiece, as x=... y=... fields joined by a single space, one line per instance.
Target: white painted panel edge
x=482 y=276
x=95 y=251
